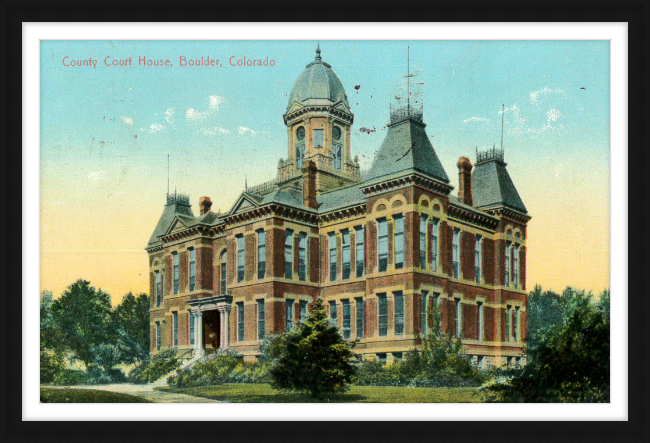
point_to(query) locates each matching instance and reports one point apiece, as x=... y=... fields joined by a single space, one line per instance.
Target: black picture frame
x=635 y=13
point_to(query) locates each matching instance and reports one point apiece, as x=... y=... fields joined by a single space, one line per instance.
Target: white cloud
x=214 y=131
x=169 y=116
x=128 y=120
x=535 y=95
x=476 y=119
x=215 y=101
x=244 y=130
x=155 y=128
x=96 y=176
x=193 y=116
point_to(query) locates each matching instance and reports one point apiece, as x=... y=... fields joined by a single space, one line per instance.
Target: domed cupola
x=318 y=119
x=318 y=85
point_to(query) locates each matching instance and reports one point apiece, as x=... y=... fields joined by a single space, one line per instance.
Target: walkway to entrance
x=143 y=391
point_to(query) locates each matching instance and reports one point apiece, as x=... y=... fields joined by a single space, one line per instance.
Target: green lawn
x=264 y=393
x=52 y=395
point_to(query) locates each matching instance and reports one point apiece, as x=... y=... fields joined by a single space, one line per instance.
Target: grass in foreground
x=50 y=395
x=264 y=393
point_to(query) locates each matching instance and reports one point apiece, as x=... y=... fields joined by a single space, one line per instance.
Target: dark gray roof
x=318 y=85
x=340 y=198
x=406 y=149
x=167 y=218
x=285 y=196
x=492 y=187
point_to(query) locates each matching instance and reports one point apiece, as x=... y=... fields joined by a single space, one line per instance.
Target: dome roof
x=318 y=85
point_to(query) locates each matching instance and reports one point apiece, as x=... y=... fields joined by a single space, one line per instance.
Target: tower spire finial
x=318 y=51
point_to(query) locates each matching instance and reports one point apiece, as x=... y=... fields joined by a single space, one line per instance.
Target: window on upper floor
x=345 y=253
x=333 y=314
x=288 y=253
x=382 y=315
x=360 y=251
x=399 y=242
x=241 y=258
x=302 y=257
x=423 y=241
x=261 y=254
x=399 y=312
x=434 y=244
x=515 y=274
x=333 y=264
x=176 y=272
x=192 y=269
x=158 y=295
x=456 y=252
x=223 y=271
x=508 y=263
x=382 y=244
x=478 y=258
x=300 y=154
x=337 y=149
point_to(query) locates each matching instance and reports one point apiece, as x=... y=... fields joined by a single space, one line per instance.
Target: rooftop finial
x=318 y=51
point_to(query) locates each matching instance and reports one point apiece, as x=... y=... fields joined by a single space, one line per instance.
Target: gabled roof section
x=175 y=207
x=340 y=198
x=406 y=149
x=245 y=202
x=492 y=187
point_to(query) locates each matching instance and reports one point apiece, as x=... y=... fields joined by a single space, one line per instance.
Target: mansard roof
x=492 y=187
x=406 y=149
x=176 y=207
x=340 y=198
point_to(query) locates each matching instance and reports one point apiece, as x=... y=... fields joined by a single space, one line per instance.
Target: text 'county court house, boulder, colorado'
x=382 y=251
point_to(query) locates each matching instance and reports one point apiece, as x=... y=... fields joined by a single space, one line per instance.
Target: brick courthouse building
x=381 y=251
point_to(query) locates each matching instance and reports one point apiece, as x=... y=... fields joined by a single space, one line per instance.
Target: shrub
x=156 y=367
x=93 y=376
x=226 y=367
x=52 y=364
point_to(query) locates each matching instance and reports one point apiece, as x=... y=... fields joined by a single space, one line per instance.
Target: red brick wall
x=371 y=246
x=490 y=323
x=184 y=260
x=470 y=321
x=522 y=267
x=204 y=268
x=249 y=254
x=522 y=317
x=391 y=242
x=169 y=272
x=500 y=259
x=370 y=312
x=410 y=239
x=446 y=233
x=275 y=243
x=467 y=254
x=489 y=263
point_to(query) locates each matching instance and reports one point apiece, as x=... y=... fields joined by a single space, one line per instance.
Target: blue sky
x=106 y=131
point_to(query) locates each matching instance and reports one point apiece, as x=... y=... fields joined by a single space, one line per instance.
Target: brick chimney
x=309 y=184
x=465 y=181
x=205 y=204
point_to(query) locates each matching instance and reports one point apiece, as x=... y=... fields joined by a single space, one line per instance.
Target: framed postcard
x=315 y=222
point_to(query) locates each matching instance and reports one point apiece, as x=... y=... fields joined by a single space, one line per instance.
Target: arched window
x=224 y=269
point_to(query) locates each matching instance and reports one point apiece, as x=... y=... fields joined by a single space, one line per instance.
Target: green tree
x=130 y=328
x=82 y=317
x=49 y=333
x=316 y=359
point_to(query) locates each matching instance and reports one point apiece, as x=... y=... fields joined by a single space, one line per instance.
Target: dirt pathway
x=143 y=391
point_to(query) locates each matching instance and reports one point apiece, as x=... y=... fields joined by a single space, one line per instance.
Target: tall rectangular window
x=399 y=242
x=508 y=324
x=507 y=263
x=241 y=262
x=383 y=315
x=399 y=312
x=423 y=241
x=360 y=252
x=158 y=288
x=423 y=312
x=515 y=275
x=434 y=244
x=345 y=252
x=302 y=257
x=192 y=326
x=359 y=302
x=382 y=244
x=303 y=310
x=458 y=316
x=192 y=269
x=240 y=321
x=261 y=320
x=478 y=258
x=456 y=251
x=318 y=138
x=175 y=327
x=333 y=314
x=158 y=336
x=336 y=151
x=515 y=329
x=261 y=254
x=288 y=253
x=300 y=154
x=332 y=242
x=346 y=319
x=176 y=272
x=436 y=306
x=479 y=320
x=288 y=314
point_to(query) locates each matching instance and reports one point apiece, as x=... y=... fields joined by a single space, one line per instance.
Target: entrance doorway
x=211 y=330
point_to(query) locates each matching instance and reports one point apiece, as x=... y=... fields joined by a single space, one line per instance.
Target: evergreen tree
x=316 y=359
